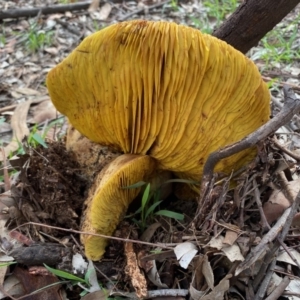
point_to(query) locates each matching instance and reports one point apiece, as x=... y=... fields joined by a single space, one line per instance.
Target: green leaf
x=135 y=185
x=145 y=196
x=170 y=214
x=182 y=181
x=64 y=274
x=5 y=264
x=36 y=137
x=152 y=208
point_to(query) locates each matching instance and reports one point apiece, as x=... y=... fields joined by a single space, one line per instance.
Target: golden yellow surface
x=162 y=90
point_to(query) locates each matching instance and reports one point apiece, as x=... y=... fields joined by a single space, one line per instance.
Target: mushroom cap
x=164 y=90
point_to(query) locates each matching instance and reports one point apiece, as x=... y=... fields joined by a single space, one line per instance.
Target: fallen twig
x=279 y=289
x=44 y=10
x=161 y=245
x=281 y=83
x=266 y=281
x=285 y=150
x=279 y=230
x=154 y=294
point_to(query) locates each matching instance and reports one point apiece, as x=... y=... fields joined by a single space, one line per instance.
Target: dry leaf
x=219 y=291
x=208 y=272
x=296 y=220
x=104 y=11
x=43 y=111
x=216 y=242
x=154 y=277
x=195 y=294
x=149 y=232
x=98 y=295
x=27 y=91
x=232 y=252
x=51 y=50
x=185 y=252
x=293 y=288
x=32 y=283
x=284 y=257
x=94 y=5
x=230 y=237
x=13 y=287
x=278 y=203
x=19 y=126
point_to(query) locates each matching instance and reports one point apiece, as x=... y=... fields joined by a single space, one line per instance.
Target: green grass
x=150 y=206
x=88 y=284
x=37 y=39
x=214 y=13
x=280 y=45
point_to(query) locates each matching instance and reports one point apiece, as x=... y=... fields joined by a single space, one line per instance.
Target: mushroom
x=164 y=95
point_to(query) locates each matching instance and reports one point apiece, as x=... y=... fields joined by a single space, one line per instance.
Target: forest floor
x=41 y=183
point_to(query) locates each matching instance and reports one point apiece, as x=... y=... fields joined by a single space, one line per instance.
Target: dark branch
x=252 y=20
x=45 y=10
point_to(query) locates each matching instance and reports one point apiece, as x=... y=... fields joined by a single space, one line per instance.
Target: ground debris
x=39 y=254
x=50 y=190
x=33 y=282
x=133 y=271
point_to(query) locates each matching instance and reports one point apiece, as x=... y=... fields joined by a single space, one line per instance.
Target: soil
x=52 y=190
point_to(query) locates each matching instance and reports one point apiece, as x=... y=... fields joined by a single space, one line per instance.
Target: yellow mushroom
x=164 y=92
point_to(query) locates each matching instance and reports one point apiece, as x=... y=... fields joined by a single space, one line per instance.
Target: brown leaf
x=43 y=111
x=230 y=237
x=98 y=295
x=27 y=91
x=273 y=211
x=94 y=5
x=13 y=287
x=104 y=11
x=296 y=220
x=31 y=283
x=219 y=291
x=19 y=126
x=278 y=203
x=208 y=272
x=149 y=232
x=51 y=50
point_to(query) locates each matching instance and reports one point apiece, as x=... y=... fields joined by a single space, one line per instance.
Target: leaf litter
x=48 y=187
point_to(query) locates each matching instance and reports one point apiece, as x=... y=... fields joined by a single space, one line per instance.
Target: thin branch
x=154 y=294
x=279 y=289
x=285 y=150
x=266 y=281
x=279 y=230
x=95 y=234
x=44 y=10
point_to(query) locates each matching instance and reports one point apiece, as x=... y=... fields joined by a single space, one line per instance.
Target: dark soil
x=50 y=190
